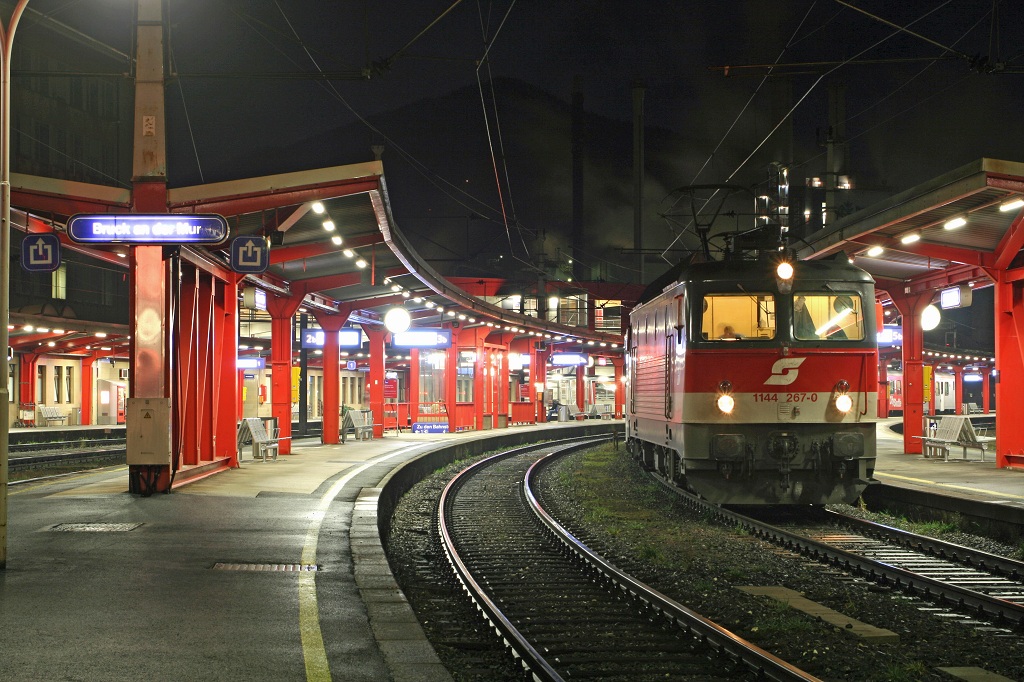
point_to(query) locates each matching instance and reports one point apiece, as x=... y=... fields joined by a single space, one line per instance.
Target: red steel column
x=376 y=336
x=1009 y=319
x=451 y=380
x=414 y=386
x=226 y=385
x=87 y=371
x=150 y=348
x=281 y=311
x=910 y=307
x=331 y=324
x=580 y=387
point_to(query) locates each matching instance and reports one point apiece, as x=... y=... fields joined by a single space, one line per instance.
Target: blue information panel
x=422 y=337
x=348 y=337
x=40 y=252
x=138 y=228
x=430 y=427
x=249 y=255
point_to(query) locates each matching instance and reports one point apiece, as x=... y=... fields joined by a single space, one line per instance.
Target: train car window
x=832 y=317
x=734 y=317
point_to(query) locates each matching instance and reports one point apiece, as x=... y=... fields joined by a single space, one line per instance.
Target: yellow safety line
x=317 y=667
x=994 y=493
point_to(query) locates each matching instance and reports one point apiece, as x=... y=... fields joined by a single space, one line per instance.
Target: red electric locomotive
x=755 y=381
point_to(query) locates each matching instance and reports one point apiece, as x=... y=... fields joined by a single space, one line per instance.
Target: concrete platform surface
x=214 y=581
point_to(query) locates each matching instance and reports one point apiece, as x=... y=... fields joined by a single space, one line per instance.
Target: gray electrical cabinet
x=148 y=430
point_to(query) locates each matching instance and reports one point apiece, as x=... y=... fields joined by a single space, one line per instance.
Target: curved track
x=564 y=611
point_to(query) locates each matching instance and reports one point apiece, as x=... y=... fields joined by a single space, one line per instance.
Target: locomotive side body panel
x=728 y=395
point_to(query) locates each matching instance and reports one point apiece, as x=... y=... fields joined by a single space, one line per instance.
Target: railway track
x=977 y=584
x=65 y=458
x=987 y=585
x=564 y=611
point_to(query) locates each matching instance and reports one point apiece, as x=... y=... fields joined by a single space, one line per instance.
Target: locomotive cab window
x=738 y=317
x=832 y=317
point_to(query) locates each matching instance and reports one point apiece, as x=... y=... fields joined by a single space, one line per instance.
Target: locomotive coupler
x=783 y=446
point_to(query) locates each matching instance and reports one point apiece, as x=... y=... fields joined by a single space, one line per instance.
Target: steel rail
x=974 y=558
x=871 y=569
x=531 y=660
x=722 y=640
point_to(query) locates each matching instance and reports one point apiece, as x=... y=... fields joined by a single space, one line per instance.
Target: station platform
x=971 y=479
x=211 y=581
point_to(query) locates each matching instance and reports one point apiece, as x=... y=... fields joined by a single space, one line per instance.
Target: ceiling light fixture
x=1012 y=204
x=317 y=207
x=329 y=225
x=875 y=251
x=954 y=223
x=910 y=238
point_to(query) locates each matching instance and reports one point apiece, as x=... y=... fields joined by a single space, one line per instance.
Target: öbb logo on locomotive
x=781 y=371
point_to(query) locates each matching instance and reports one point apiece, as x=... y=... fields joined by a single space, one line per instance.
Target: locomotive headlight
x=784 y=277
x=726 y=403
x=844 y=403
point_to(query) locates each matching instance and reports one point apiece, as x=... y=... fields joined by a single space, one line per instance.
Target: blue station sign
x=422 y=337
x=40 y=252
x=348 y=337
x=138 y=228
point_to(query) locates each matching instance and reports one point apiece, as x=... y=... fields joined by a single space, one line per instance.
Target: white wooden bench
x=360 y=422
x=51 y=414
x=955 y=430
x=264 y=445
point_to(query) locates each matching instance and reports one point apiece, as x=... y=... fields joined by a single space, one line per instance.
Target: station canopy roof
x=372 y=269
x=984 y=194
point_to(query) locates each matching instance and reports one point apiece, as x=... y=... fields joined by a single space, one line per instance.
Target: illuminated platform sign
x=348 y=337
x=430 y=427
x=891 y=335
x=422 y=337
x=569 y=359
x=251 y=363
x=137 y=228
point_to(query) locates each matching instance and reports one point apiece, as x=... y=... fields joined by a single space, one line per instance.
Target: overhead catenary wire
x=812 y=87
x=736 y=120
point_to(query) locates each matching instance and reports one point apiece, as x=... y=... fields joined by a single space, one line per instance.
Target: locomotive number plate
x=799 y=397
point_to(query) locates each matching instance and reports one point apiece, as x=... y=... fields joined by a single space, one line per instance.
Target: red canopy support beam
x=1009 y=320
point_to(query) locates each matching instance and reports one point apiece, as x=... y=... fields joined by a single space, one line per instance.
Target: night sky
x=247 y=95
